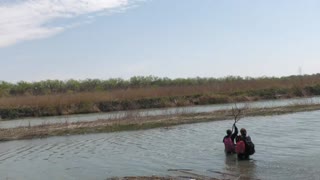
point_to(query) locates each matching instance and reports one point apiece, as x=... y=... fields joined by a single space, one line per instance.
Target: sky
x=82 y=39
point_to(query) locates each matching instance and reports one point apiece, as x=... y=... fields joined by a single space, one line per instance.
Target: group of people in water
x=238 y=144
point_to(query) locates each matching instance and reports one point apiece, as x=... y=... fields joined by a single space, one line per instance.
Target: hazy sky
x=80 y=39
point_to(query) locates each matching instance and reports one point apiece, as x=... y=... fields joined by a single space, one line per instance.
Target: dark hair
x=229 y=132
x=243 y=131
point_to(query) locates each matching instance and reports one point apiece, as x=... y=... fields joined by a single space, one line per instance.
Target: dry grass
x=76 y=98
x=222 y=87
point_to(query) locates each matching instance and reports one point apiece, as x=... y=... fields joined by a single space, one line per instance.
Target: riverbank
x=130 y=123
x=54 y=97
x=54 y=104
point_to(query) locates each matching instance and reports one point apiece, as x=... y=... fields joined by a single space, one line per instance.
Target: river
x=153 y=112
x=287 y=147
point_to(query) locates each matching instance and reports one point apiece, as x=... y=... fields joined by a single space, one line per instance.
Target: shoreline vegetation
x=131 y=123
x=55 y=97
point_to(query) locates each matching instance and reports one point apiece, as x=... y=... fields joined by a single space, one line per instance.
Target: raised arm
x=235 y=133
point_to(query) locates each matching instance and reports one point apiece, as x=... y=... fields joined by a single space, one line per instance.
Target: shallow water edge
x=140 y=123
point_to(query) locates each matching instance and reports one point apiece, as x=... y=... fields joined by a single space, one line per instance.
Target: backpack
x=228 y=145
x=241 y=147
x=249 y=147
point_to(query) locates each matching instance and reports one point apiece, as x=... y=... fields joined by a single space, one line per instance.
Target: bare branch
x=238 y=113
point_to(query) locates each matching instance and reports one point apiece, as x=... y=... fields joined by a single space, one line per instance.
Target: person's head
x=229 y=132
x=243 y=131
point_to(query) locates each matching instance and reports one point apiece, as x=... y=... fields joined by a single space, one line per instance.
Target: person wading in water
x=244 y=146
x=228 y=140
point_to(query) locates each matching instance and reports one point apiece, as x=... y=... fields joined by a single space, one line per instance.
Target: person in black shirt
x=249 y=146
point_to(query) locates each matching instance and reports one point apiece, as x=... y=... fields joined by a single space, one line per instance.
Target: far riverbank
x=57 y=98
x=140 y=123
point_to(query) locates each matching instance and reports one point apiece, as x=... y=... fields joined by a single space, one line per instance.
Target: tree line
x=91 y=85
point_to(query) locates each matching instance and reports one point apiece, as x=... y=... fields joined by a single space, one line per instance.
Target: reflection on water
x=153 y=112
x=236 y=169
x=287 y=147
x=240 y=168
